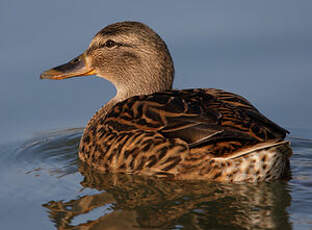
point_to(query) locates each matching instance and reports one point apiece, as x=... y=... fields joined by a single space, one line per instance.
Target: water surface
x=45 y=185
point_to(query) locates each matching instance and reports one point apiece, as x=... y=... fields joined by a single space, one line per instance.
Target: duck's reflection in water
x=131 y=202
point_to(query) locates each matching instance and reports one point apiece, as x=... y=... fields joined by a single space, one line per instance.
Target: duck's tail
x=262 y=162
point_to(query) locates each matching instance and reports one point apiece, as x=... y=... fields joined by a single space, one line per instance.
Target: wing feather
x=197 y=116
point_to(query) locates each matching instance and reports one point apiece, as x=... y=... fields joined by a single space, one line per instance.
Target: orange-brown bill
x=75 y=68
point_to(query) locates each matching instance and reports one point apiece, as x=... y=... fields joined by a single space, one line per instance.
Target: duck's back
x=187 y=134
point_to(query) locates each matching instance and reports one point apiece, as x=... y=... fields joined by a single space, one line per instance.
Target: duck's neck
x=136 y=90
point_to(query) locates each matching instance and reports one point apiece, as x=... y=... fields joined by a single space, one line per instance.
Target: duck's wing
x=197 y=116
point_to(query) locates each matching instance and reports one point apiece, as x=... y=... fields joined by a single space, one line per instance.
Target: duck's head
x=129 y=54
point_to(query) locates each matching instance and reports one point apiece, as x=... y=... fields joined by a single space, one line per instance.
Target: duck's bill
x=77 y=67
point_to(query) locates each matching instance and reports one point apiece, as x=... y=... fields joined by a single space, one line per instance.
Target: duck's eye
x=110 y=43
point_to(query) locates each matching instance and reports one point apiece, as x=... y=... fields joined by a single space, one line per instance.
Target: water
x=259 y=49
x=43 y=184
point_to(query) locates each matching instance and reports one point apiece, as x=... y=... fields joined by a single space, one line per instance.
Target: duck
x=149 y=128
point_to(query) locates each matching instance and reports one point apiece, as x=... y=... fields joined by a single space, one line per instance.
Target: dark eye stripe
x=110 y=43
x=95 y=47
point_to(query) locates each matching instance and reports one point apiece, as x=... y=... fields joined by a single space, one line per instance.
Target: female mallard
x=148 y=128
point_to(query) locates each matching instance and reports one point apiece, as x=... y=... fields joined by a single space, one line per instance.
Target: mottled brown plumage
x=148 y=128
